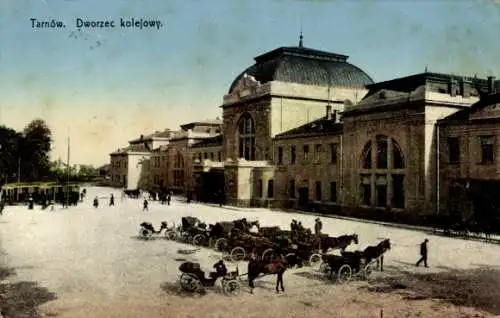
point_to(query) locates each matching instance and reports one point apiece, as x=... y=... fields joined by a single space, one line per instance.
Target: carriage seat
x=192 y=268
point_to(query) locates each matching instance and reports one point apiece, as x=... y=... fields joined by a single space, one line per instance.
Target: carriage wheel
x=190 y=283
x=315 y=260
x=221 y=245
x=145 y=233
x=232 y=287
x=344 y=274
x=367 y=271
x=268 y=254
x=238 y=254
x=171 y=235
x=324 y=267
x=199 y=239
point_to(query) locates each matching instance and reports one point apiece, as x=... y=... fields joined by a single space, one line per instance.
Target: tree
x=35 y=149
x=9 y=154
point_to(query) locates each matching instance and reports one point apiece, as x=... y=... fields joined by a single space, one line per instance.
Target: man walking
x=112 y=200
x=423 y=253
x=145 y=205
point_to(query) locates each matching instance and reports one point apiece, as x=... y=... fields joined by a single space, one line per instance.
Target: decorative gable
x=247 y=85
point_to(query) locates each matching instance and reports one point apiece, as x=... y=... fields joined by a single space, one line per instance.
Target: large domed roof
x=305 y=66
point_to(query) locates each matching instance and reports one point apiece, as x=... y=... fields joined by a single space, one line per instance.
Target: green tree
x=9 y=154
x=35 y=149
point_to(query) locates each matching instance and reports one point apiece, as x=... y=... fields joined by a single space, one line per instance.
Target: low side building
x=469 y=162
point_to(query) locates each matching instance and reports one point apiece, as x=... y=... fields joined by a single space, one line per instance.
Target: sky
x=105 y=86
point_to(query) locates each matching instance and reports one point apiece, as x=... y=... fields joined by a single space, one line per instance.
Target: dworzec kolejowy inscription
x=122 y=23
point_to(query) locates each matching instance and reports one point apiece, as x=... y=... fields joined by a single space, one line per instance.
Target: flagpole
x=67 y=167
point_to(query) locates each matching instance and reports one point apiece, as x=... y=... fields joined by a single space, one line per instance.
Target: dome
x=305 y=66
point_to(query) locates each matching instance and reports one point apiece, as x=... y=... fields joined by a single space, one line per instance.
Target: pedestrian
x=423 y=253
x=112 y=200
x=169 y=197
x=96 y=202
x=30 y=203
x=145 y=205
x=318 y=226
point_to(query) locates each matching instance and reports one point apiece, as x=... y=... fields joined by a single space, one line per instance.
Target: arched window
x=246 y=132
x=178 y=170
x=382 y=175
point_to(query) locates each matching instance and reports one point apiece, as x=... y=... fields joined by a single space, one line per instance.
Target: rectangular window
x=333 y=191
x=398 y=191
x=280 y=155
x=381 y=191
x=319 y=195
x=292 y=189
x=366 y=190
x=317 y=153
x=260 y=193
x=382 y=153
x=212 y=156
x=333 y=153
x=487 y=149
x=270 y=188
x=205 y=155
x=219 y=156
x=293 y=154
x=453 y=150
x=306 y=152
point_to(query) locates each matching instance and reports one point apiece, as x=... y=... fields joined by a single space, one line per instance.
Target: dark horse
x=377 y=252
x=132 y=193
x=341 y=242
x=276 y=267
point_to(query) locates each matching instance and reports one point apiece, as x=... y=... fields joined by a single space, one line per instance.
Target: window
x=366 y=190
x=367 y=156
x=212 y=156
x=205 y=155
x=219 y=156
x=453 y=150
x=293 y=154
x=319 y=195
x=487 y=149
x=333 y=191
x=280 y=155
x=381 y=152
x=260 y=193
x=317 y=153
x=246 y=129
x=333 y=153
x=199 y=156
x=306 y=152
x=398 y=190
x=374 y=188
x=270 y=188
x=292 y=189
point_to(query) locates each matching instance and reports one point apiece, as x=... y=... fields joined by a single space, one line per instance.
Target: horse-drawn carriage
x=147 y=230
x=193 y=278
x=191 y=230
x=243 y=245
x=343 y=268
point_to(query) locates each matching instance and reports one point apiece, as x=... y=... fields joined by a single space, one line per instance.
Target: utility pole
x=67 y=180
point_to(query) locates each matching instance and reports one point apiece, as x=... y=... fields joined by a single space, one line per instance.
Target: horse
x=341 y=242
x=377 y=252
x=276 y=267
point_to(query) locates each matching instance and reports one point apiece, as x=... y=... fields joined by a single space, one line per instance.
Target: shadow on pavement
x=21 y=299
x=478 y=288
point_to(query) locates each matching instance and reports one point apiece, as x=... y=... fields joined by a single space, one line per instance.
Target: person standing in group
x=112 y=200
x=423 y=253
x=145 y=205
x=169 y=197
x=318 y=226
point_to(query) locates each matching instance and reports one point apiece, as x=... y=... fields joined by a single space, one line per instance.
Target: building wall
x=178 y=170
x=138 y=172
x=297 y=105
x=158 y=175
x=305 y=172
x=118 y=169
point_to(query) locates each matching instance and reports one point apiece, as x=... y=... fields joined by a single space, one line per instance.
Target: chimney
x=328 y=111
x=335 y=116
x=491 y=84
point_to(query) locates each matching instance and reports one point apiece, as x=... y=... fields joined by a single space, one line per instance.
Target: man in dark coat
x=112 y=200
x=423 y=253
x=318 y=226
x=145 y=205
